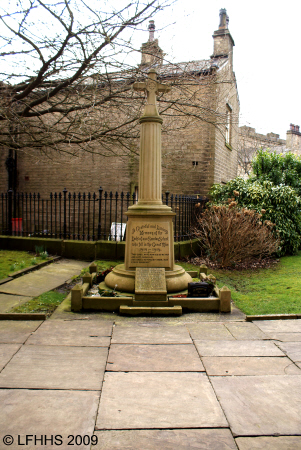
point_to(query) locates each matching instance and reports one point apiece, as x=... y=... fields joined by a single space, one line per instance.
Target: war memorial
x=149 y=272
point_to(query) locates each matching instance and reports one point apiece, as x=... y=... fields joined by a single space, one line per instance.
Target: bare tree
x=66 y=84
x=57 y=64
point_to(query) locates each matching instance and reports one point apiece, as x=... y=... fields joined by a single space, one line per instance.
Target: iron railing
x=85 y=216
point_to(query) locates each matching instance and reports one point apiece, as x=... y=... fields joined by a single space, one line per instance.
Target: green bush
x=278 y=168
x=280 y=203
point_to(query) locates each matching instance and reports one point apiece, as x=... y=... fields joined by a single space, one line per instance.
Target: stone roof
x=190 y=67
x=168 y=70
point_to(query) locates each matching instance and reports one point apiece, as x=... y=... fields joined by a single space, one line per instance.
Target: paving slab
x=86 y=333
x=285 y=337
x=293 y=351
x=217 y=439
x=154 y=358
x=158 y=400
x=49 y=367
x=245 y=330
x=137 y=334
x=45 y=279
x=280 y=326
x=269 y=443
x=56 y=413
x=12 y=332
x=248 y=366
x=209 y=331
x=7 y=351
x=260 y=405
x=8 y=301
x=237 y=348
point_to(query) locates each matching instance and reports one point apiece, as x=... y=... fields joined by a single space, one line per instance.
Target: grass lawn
x=45 y=303
x=11 y=261
x=264 y=291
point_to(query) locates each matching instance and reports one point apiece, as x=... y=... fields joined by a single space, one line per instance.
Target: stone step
x=196 y=304
x=151 y=310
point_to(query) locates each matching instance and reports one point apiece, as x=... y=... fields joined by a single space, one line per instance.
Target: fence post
x=121 y=214
x=176 y=211
x=10 y=211
x=65 y=213
x=166 y=197
x=99 y=214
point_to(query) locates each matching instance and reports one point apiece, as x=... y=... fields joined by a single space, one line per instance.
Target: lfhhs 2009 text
x=53 y=439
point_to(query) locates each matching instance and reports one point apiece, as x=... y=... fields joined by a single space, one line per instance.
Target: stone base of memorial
x=149 y=243
x=124 y=280
x=150 y=295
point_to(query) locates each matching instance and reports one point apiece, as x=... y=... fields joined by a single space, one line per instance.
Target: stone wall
x=188 y=152
x=226 y=144
x=85 y=173
x=250 y=141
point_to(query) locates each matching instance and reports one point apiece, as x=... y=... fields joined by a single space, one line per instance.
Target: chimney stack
x=151 y=54
x=293 y=139
x=222 y=40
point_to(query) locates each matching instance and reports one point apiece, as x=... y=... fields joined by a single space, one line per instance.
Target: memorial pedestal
x=149 y=243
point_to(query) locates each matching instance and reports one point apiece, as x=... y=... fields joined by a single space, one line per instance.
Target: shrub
x=44 y=255
x=41 y=251
x=280 y=203
x=278 y=168
x=229 y=235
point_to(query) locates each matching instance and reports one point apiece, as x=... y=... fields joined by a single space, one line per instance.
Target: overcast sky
x=266 y=54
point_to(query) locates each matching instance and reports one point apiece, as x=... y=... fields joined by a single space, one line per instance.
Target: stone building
x=293 y=139
x=199 y=146
x=250 y=142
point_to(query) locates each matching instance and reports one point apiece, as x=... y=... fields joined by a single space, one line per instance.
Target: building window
x=228 y=124
x=195 y=163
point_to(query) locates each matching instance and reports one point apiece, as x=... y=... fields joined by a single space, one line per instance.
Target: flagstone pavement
x=102 y=381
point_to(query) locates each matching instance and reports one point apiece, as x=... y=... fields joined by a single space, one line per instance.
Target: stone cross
x=150 y=176
x=153 y=87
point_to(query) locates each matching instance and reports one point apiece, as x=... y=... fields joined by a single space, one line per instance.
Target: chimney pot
x=292 y=127
x=224 y=19
x=151 y=29
x=297 y=128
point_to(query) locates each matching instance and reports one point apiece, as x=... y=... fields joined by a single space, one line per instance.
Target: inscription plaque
x=199 y=289
x=150 y=284
x=150 y=280
x=150 y=243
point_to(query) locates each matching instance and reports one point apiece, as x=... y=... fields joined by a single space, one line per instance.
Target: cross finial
x=153 y=87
